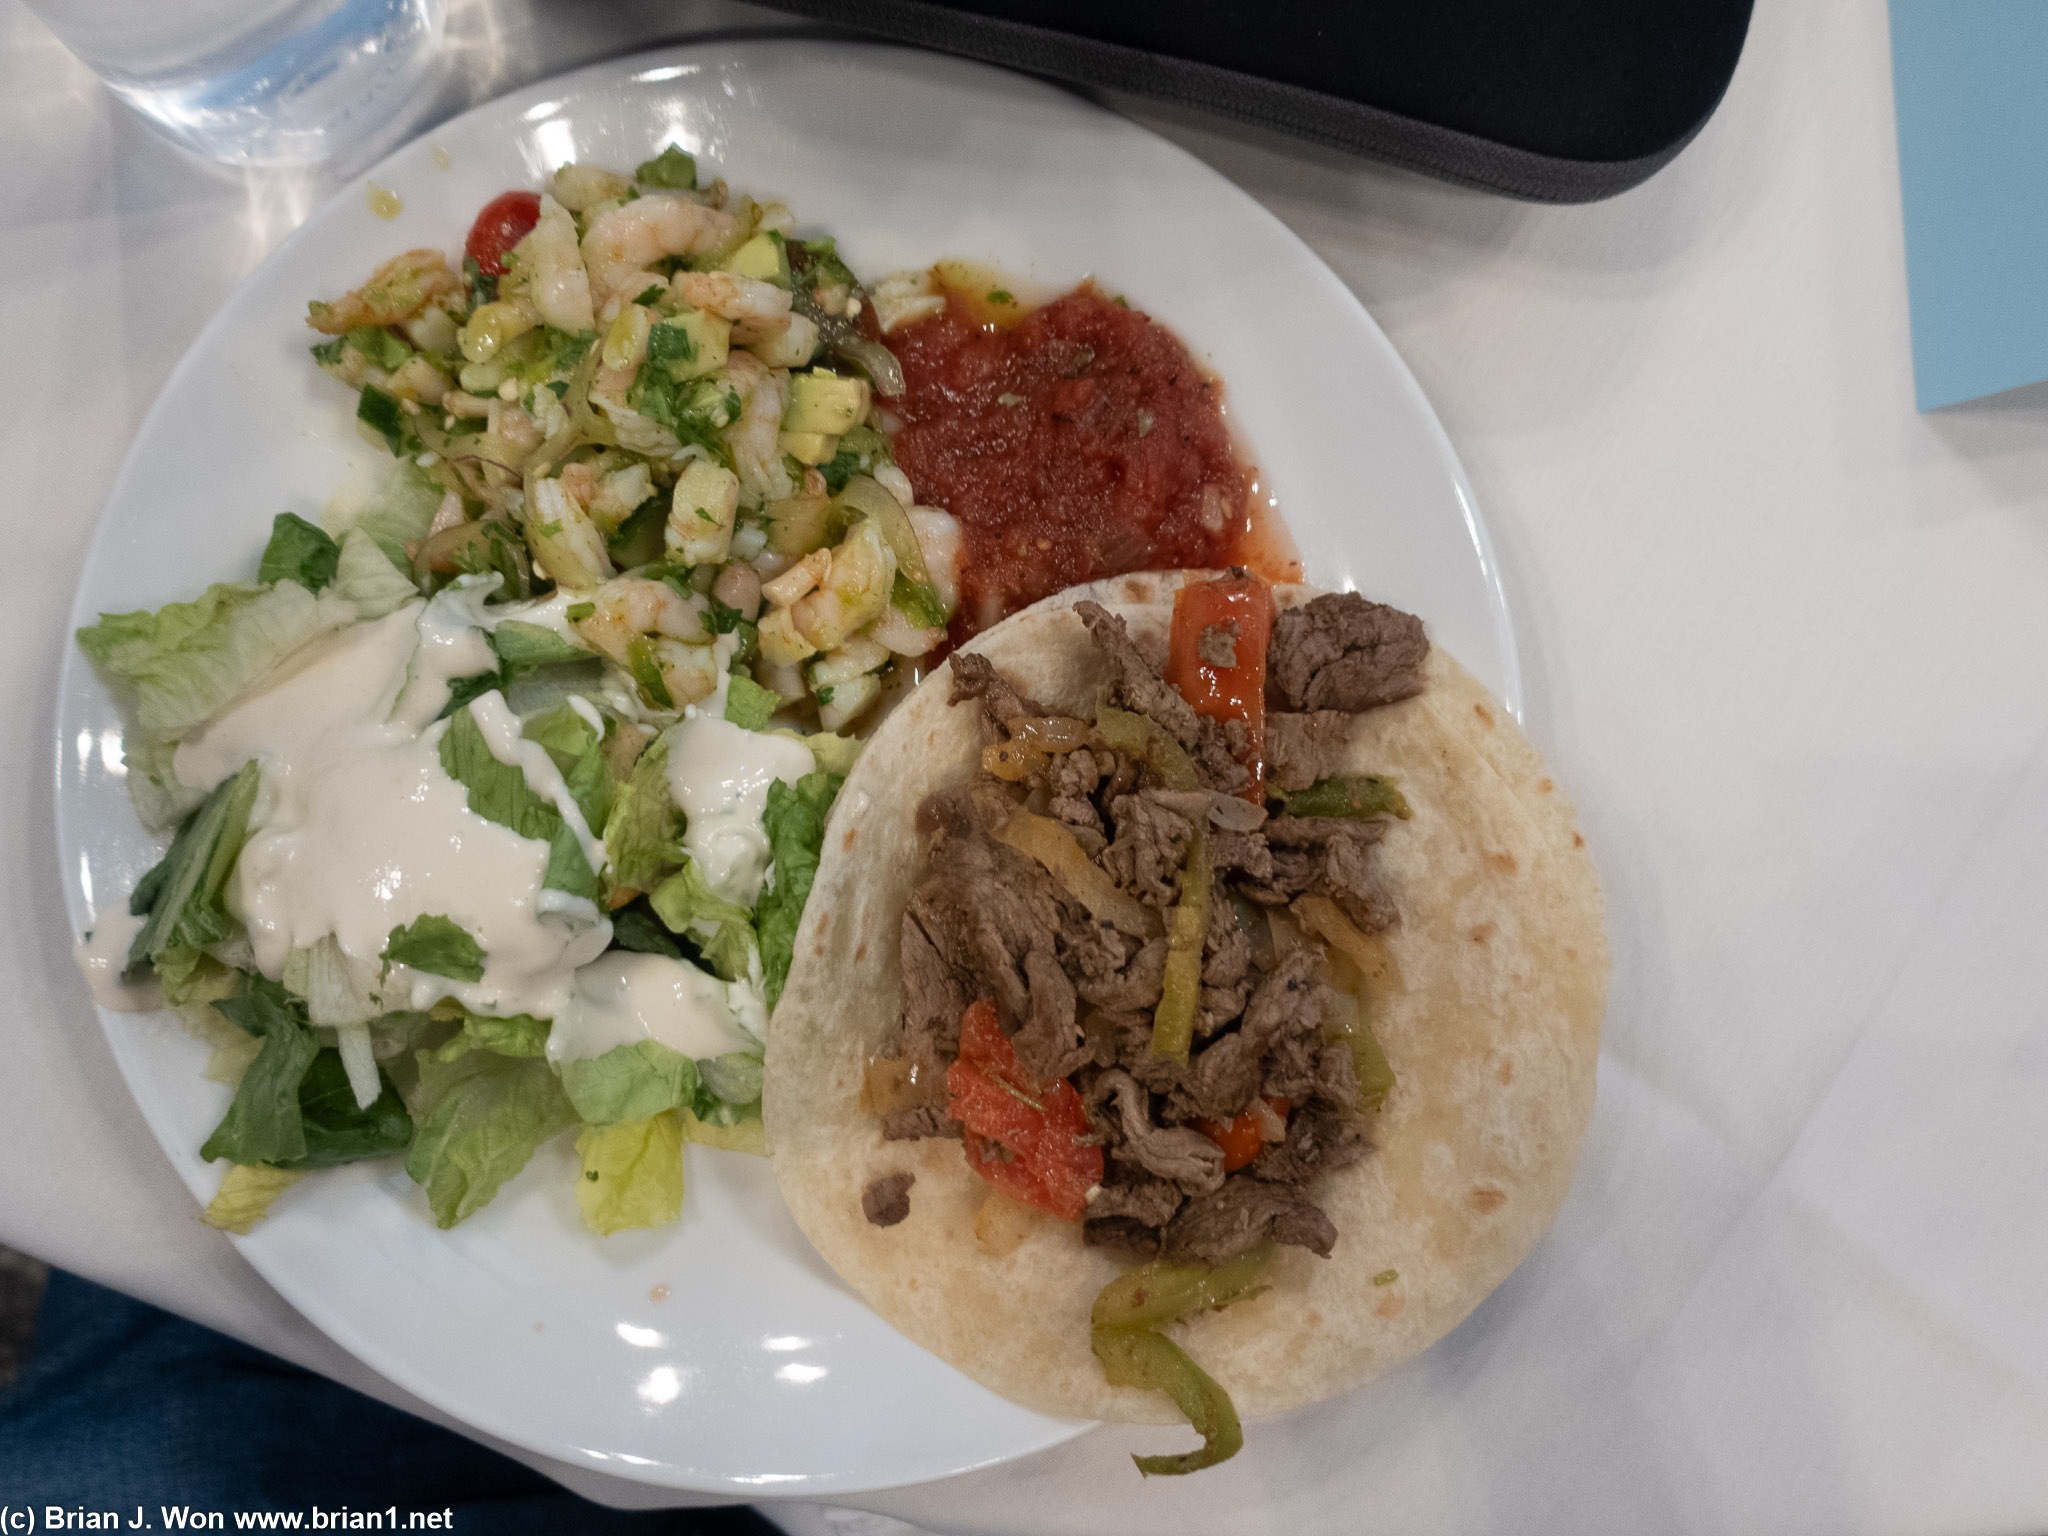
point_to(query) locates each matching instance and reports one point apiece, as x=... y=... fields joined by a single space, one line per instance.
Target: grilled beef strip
x=1342 y=652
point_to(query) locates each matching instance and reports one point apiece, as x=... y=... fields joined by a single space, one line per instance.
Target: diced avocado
x=799 y=524
x=824 y=402
x=763 y=257
x=809 y=447
x=690 y=345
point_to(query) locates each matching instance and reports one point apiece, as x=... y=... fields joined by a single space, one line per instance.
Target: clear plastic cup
x=257 y=82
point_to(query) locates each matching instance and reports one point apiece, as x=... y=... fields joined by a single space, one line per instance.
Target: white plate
x=758 y=1373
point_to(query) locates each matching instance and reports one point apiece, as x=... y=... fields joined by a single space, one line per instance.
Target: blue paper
x=1970 y=78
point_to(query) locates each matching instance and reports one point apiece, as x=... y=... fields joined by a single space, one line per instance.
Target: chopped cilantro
x=1000 y=296
x=328 y=353
x=823 y=695
x=653 y=293
x=483 y=286
x=576 y=613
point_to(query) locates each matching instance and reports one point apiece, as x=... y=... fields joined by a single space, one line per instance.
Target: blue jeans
x=121 y=1405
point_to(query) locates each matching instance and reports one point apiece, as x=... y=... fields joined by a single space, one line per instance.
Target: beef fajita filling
x=1132 y=963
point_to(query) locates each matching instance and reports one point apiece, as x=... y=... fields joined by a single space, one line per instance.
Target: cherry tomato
x=1237 y=691
x=1022 y=1136
x=503 y=224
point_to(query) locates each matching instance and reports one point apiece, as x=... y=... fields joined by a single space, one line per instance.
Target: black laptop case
x=1559 y=101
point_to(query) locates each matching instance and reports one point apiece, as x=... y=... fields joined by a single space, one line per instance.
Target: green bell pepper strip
x=1349 y=794
x=1173 y=1021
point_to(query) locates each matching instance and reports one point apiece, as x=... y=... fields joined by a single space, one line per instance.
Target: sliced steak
x=1136 y=987
x=1244 y=853
x=1184 y=1158
x=1070 y=781
x=1137 y=1195
x=1139 y=687
x=1219 y=1226
x=918 y=1122
x=1300 y=749
x=1050 y=1044
x=1320 y=1139
x=1121 y=1233
x=1151 y=841
x=975 y=677
x=1326 y=856
x=1342 y=652
x=984 y=906
x=1286 y=1008
x=887 y=1200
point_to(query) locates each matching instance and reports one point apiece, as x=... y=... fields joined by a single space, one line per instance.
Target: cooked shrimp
x=556 y=281
x=623 y=242
x=628 y=607
x=756 y=309
x=564 y=539
x=756 y=453
x=398 y=290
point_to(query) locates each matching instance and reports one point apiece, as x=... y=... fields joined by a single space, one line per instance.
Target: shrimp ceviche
x=497 y=797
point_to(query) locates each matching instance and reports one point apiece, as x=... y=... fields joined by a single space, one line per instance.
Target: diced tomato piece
x=1022 y=1136
x=1241 y=1139
x=505 y=221
x=1238 y=691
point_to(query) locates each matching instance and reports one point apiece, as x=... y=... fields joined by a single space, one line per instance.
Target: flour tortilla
x=1502 y=953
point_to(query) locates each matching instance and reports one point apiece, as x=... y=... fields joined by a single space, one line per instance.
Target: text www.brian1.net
x=33 y=1519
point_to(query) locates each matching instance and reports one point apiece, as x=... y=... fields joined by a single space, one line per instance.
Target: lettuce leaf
x=748 y=704
x=300 y=552
x=482 y=1118
x=635 y=927
x=336 y=1130
x=437 y=945
x=629 y=1082
x=632 y=1174
x=187 y=661
x=578 y=751
x=739 y=1136
x=245 y=1195
x=264 y=1123
x=399 y=511
x=184 y=891
x=517 y=1034
x=734 y=1078
x=293 y=1107
x=499 y=792
x=644 y=832
x=365 y=577
x=722 y=931
x=795 y=822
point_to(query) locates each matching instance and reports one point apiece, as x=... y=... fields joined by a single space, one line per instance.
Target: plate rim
x=720 y=47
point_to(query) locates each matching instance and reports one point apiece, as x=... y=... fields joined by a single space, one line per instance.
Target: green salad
x=495 y=798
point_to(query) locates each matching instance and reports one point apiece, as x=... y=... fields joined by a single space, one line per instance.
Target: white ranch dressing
x=719 y=774
x=625 y=998
x=104 y=955
x=358 y=829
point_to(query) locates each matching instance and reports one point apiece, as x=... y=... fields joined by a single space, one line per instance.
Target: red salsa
x=1081 y=442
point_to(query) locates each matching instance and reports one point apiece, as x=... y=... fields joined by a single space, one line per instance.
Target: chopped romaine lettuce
x=644 y=832
x=481 y=1119
x=795 y=823
x=246 y=1192
x=365 y=577
x=629 y=1082
x=722 y=931
x=748 y=704
x=186 y=911
x=632 y=1174
x=437 y=945
x=299 y=552
x=187 y=661
x=499 y=792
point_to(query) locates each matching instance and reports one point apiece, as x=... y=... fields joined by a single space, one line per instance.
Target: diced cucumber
x=825 y=403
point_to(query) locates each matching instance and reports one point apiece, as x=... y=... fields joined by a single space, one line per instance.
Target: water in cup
x=256 y=82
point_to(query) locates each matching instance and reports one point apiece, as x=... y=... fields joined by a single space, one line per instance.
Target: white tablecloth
x=1786 y=640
